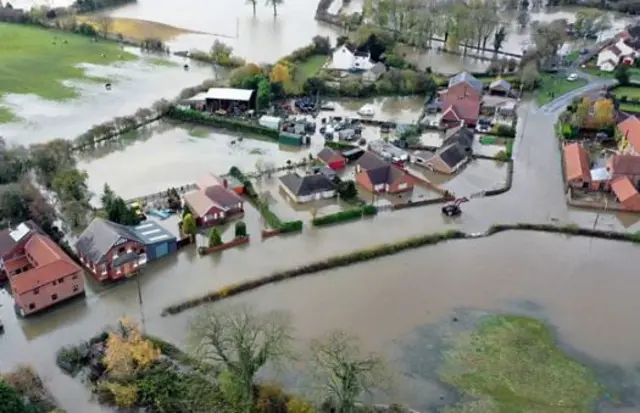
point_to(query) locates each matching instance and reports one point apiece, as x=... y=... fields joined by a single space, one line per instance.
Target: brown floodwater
x=136 y=85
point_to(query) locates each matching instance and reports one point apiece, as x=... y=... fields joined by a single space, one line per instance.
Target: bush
x=290 y=226
x=342 y=216
x=369 y=210
x=503 y=131
x=339 y=145
x=71 y=359
x=188 y=115
x=241 y=229
x=501 y=156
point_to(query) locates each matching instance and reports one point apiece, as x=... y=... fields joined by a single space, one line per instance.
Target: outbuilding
x=159 y=242
x=332 y=158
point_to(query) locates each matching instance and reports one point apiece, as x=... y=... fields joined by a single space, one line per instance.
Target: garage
x=159 y=242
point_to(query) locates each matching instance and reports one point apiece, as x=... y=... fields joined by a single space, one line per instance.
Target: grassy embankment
x=37 y=61
x=553 y=86
x=632 y=97
x=513 y=364
x=137 y=29
x=307 y=69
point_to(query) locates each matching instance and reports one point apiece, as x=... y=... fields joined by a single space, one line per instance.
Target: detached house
x=611 y=56
x=627 y=166
x=213 y=202
x=307 y=188
x=40 y=273
x=461 y=101
x=378 y=175
x=348 y=58
x=626 y=193
x=456 y=150
x=576 y=166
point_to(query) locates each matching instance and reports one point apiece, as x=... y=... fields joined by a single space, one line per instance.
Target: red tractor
x=452 y=209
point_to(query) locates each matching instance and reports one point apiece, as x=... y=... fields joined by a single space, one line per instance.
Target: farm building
x=332 y=158
x=158 y=241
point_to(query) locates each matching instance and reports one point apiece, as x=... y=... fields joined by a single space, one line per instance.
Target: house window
x=120 y=250
x=54 y=282
x=75 y=277
x=61 y=280
x=75 y=288
x=54 y=297
x=32 y=306
x=36 y=291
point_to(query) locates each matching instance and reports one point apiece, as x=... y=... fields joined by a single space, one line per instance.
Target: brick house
x=40 y=273
x=630 y=140
x=626 y=194
x=465 y=85
x=624 y=166
x=377 y=175
x=332 y=158
x=576 y=166
x=211 y=205
x=111 y=251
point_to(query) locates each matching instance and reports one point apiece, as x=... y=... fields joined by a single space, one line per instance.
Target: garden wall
x=236 y=242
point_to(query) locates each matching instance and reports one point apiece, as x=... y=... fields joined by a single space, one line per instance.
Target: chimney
x=225 y=183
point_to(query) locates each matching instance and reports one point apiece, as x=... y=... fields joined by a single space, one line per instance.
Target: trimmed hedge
x=339 y=146
x=390 y=249
x=342 y=216
x=189 y=115
x=503 y=131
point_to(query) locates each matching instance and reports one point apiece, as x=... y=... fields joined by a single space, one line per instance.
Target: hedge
x=342 y=216
x=386 y=250
x=189 y=115
x=340 y=146
x=503 y=131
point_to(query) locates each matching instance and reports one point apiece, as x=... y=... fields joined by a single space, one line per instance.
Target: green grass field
x=513 y=364
x=36 y=61
x=552 y=87
x=629 y=92
x=308 y=69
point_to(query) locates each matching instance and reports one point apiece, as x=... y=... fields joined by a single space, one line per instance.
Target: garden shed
x=290 y=139
x=159 y=242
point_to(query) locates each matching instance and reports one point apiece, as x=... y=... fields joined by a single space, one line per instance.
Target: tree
x=343 y=372
x=11 y=401
x=125 y=395
x=50 y=158
x=243 y=342
x=105 y=23
x=253 y=3
x=220 y=52
x=582 y=112
x=127 y=351
x=298 y=405
x=71 y=185
x=622 y=74
x=603 y=113
x=548 y=38
x=279 y=73
x=14 y=207
x=189 y=226
x=274 y=4
x=530 y=76
x=241 y=229
x=119 y=212
x=214 y=238
x=498 y=38
x=108 y=196
x=347 y=190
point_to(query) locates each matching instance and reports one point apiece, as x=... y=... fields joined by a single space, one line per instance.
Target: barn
x=158 y=241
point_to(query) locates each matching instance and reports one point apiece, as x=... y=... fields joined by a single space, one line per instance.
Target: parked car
x=572 y=77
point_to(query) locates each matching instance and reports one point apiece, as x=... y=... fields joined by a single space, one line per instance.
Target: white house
x=307 y=188
x=610 y=56
x=347 y=58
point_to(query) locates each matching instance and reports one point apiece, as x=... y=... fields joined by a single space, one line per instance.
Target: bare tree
x=344 y=372
x=243 y=342
x=105 y=23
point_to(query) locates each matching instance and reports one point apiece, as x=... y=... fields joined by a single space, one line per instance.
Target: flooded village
x=319 y=155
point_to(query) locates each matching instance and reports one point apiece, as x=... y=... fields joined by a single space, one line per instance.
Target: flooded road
x=136 y=84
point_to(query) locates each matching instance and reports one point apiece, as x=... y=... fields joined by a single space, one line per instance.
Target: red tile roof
x=576 y=162
x=52 y=263
x=329 y=155
x=464 y=109
x=630 y=129
x=624 y=189
x=624 y=165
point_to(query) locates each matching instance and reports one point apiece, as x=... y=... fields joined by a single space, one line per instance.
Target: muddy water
x=589 y=299
x=135 y=85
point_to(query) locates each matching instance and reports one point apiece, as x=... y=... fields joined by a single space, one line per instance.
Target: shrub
x=298 y=405
x=348 y=215
x=369 y=210
x=214 y=238
x=290 y=226
x=339 y=145
x=188 y=115
x=623 y=99
x=72 y=358
x=241 y=229
x=504 y=131
x=501 y=156
x=125 y=396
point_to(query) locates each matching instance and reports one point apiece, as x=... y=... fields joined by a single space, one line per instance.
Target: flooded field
x=392 y=109
x=408 y=303
x=136 y=84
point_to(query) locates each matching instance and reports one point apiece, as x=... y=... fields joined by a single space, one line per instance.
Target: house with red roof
x=626 y=193
x=212 y=203
x=40 y=273
x=461 y=102
x=576 y=166
x=630 y=136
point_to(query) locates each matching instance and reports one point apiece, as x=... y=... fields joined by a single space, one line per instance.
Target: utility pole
x=142 y=321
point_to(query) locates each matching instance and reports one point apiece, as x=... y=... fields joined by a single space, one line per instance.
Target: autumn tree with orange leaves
x=127 y=351
x=603 y=113
x=279 y=73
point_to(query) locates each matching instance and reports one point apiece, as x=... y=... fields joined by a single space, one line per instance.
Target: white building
x=307 y=188
x=348 y=58
x=610 y=56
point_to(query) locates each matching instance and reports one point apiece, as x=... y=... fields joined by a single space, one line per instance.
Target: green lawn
x=572 y=57
x=634 y=72
x=6 y=116
x=308 y=68
x=36 y=61
x=629 y=92
x=552 y=87
x=513 y=364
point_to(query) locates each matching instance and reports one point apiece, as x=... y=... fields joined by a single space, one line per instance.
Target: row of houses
x=621 y=172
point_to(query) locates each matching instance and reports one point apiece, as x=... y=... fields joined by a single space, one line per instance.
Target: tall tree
x=344 y=371
x=603 y=113
x=243 y=342
x=253 y=3
x=275 y=4
x=498 y=38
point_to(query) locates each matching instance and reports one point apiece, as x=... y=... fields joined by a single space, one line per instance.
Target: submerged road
x=537 y=196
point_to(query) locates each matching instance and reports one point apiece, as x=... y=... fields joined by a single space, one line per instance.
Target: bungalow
x=111 y=251
x=624 y=165
x=626 y=194
x=576 y=166
x=227 y=181
x=307 y=188
x=348 y=58
x=332 y=158
x=377 y=175
x=500 y=87
x=611 y=56
x=630 y=131
x=448 y=159
x=40 y=273
x=374 y=72
x=461 y=136
x=211 y=205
